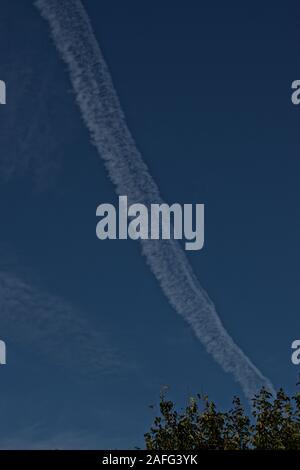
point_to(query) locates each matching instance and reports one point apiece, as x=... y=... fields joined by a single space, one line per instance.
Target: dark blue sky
x=91 y=338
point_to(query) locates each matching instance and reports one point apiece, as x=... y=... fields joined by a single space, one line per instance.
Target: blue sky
x=91 y=339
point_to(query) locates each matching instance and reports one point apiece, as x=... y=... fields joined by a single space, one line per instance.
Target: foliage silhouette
x=273 y=423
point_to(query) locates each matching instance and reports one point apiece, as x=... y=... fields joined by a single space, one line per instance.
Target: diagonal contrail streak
x=102 y=114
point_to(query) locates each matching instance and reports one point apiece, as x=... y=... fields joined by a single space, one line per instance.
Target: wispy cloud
x=53 y=327
x=26 y=125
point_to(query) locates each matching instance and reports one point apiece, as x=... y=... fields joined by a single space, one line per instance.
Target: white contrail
x=101 y=111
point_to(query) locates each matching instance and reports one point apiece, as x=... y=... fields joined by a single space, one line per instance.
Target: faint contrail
x=101 y=111
x=31 y=316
